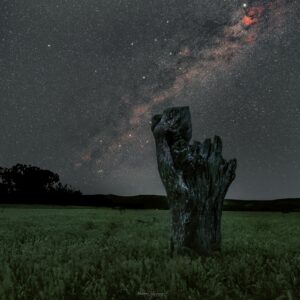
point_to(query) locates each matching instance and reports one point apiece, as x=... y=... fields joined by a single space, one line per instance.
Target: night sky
x=81 y=79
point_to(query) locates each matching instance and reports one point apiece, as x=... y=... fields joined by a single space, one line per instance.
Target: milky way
x=98 y=75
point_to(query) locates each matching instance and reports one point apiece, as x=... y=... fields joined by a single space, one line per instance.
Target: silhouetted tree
x=29 y=180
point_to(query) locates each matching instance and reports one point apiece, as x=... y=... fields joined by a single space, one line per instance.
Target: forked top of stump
x=173 y=131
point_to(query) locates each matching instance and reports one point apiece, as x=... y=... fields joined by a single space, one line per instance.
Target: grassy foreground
x=69 y=253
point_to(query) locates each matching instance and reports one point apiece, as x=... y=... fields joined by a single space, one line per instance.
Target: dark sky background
x=80 y=81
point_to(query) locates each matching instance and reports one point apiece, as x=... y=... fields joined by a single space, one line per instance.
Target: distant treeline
x=160 y=202
x=112 y=201
x=147 y=202
x=281 y=205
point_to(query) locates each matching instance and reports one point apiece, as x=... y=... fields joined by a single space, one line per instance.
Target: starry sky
x=80 y=81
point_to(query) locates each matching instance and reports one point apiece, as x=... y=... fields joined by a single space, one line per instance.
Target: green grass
x=70 y=253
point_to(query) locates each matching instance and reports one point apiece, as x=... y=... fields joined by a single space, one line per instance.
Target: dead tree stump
x=196 y=179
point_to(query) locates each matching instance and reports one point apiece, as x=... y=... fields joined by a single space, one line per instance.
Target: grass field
x=70 y=253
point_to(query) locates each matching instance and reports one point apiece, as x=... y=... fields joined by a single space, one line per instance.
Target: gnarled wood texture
x=196 y=178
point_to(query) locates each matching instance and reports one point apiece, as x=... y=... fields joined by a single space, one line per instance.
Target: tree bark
x=196 y=179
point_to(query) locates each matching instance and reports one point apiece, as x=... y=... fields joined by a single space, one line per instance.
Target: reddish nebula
x=253 y=15
x=247 y=21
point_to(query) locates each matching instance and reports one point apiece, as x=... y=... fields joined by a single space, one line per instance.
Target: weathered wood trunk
x=196 y=179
